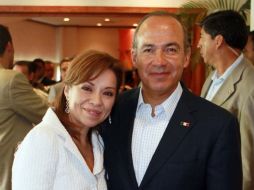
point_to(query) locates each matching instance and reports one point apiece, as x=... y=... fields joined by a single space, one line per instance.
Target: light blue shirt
x=218 y=81
x=148 y=130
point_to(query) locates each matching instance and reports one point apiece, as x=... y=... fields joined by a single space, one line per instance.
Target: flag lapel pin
x=185 y=124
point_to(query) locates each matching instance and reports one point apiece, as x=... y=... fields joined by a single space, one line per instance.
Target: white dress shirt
x=148 y=130
x=217 y=81
x=48 y=159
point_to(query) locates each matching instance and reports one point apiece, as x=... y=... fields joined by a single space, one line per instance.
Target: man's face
x=160 y=57
x=63 y=69
x=207 y=47
x=49 y=70
x=40 y=71
x=249 y=50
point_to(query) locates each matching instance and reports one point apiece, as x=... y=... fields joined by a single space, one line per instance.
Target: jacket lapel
x=174 y=134
x=228 y=88
x=206 y=86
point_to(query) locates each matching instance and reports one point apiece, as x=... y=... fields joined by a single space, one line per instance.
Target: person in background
x=29 y=69
x=42 y=82
x=163 y=136
x=249 y=47
x=223 y=37
x=49 y=70
x=65 y=150
x=20 y=107
x=56 y=89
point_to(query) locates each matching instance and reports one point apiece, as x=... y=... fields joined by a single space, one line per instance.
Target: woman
x=64 y=151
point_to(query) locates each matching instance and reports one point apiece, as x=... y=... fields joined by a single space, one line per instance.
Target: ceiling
x=120 y=17
x=90 y=21
x=120 y=21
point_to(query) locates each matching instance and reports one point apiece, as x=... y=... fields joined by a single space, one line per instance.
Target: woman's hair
x=86 y=67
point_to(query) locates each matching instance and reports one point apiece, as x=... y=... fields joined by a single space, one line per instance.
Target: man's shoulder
x=7 y=76
x=8 y=73
x=204 y=107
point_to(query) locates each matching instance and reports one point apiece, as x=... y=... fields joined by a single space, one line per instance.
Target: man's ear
x=219 y=39
x=134 y=57
x=187 y=57
x=9 y=47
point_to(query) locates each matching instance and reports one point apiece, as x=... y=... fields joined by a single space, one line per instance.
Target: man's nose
x=160 y=58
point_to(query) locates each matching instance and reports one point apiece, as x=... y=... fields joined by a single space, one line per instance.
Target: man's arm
x=224 y=170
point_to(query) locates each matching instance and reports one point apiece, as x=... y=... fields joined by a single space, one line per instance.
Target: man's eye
x=147 y=50
x=172 y=50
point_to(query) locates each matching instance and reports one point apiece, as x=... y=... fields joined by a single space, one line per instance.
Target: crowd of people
x=90 y=132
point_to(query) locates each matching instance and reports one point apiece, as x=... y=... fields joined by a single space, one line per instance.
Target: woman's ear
x=66 y=91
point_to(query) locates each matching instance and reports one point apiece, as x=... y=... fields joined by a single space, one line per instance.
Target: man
x=26 y=68
x=162 y=136
x=249 y=47
x=41 y=80
x=29 y=69
x=20 y=107
x=56 y=89
x=223 y=37
x=49 y=70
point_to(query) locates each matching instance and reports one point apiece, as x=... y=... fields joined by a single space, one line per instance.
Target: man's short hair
x=230 y=24
x=5 y=37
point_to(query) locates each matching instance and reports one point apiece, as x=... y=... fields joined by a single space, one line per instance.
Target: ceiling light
x=135 y=25
x=66 y=19
x=107 y=19
x=99 y=24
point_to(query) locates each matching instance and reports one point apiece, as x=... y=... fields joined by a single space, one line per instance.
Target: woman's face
x=91 y=102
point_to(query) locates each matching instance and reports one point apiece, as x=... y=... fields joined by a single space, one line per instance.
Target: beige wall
x=32 y=40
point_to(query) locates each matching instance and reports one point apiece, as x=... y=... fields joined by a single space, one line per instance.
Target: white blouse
x=48 y=159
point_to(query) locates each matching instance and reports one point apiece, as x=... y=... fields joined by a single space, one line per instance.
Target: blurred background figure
x=20 y=108
x=41 y=80
x=131 y=80
x=249 y=48
x=55 y=90
x=49 y=70
x=29 y=69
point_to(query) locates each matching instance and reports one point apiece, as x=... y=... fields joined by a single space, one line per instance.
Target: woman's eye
x=108 y=94
x=87 y=88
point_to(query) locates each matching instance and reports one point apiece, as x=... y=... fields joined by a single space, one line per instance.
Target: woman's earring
x=67 y=108
x=109 y=120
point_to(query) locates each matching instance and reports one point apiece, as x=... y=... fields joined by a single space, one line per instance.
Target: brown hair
x=85 y=67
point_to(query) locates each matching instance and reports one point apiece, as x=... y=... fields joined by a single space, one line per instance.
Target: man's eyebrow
x=172 y=44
